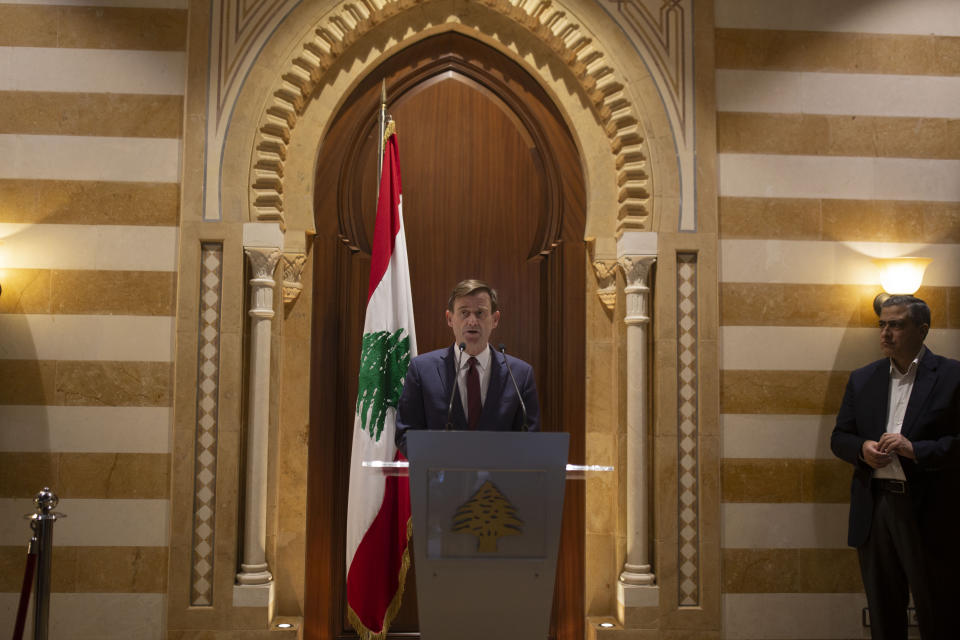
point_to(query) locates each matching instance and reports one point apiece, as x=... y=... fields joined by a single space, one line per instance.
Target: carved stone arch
x=601 y=87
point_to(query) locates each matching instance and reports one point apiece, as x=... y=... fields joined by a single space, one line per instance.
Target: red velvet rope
x=25 y=596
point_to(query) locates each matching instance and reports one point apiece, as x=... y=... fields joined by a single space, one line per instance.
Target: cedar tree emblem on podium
x=489 y=515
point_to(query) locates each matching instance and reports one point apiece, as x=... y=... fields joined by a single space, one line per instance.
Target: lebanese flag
x=378 y=510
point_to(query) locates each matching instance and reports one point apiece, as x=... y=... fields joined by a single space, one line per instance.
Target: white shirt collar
x=483 y=358
x=895 y=373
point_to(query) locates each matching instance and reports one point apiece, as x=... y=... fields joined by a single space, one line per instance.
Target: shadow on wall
x=24 y=429
x=857 y=345
x=26 y=381
x=26 y=386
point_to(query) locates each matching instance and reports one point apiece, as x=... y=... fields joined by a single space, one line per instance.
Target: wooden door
x=492 y=189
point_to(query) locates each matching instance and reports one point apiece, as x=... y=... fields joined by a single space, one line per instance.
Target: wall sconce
x=899 y=276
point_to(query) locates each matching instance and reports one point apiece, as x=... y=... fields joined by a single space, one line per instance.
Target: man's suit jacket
x=931 y=423
x=431 y=378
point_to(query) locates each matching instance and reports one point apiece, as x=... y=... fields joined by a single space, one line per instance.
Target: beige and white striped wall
x=91 y=115
x=838 y=139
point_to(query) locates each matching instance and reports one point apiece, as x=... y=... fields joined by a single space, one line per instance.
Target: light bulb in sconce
x=899 y=276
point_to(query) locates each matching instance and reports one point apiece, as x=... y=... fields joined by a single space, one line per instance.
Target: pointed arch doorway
x=493 y=188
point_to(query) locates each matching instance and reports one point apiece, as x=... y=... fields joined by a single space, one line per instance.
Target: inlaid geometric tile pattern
x=205 y=464
x=687 y=421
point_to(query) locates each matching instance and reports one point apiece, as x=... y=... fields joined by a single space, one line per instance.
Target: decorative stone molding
x=547 y=21
x=662 y=31
x=239 y=27
x=605 y=270
x=606 y=273
x=238 y=30
x=292 y=264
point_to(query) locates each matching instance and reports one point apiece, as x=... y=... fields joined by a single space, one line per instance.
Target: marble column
x=262 y=245
x=636 y=255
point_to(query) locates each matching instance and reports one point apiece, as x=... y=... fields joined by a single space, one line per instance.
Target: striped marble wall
x=838 y=132
x=91 y=118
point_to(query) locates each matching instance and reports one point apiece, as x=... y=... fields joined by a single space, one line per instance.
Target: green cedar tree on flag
x=378 y=511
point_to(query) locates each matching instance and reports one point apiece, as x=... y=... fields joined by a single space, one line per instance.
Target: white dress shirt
x=901 y=385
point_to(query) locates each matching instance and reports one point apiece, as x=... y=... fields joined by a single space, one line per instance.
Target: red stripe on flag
x=388 y=209
x=380 y=553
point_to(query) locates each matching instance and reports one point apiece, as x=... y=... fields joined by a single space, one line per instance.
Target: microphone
x=523 y=406
x=455 y=386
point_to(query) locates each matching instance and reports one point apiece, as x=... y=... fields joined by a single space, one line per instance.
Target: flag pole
x=381 y=142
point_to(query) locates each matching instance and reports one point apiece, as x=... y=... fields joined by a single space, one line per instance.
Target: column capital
x=636 y=268
x=263 y=260
x=292 y=263
x=262 y=243
x=636 y=253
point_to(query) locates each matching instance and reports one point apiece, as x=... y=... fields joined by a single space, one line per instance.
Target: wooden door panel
x=473 y=195
x=492 y=188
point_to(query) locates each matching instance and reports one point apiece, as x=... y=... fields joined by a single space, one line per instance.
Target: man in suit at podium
x=496 y=392
x=899 y=426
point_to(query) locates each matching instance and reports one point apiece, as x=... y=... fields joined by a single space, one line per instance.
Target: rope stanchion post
x=42 y=523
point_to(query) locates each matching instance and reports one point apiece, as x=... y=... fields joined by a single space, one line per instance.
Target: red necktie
x=473 y=394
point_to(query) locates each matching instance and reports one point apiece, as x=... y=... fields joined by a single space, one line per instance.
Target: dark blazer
x=931 y=423
x=431 y=378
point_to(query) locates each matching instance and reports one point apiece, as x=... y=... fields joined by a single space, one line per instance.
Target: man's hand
x=896 y=443
x=873 y=456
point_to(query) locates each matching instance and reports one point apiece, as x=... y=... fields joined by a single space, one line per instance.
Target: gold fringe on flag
x=394 y=608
